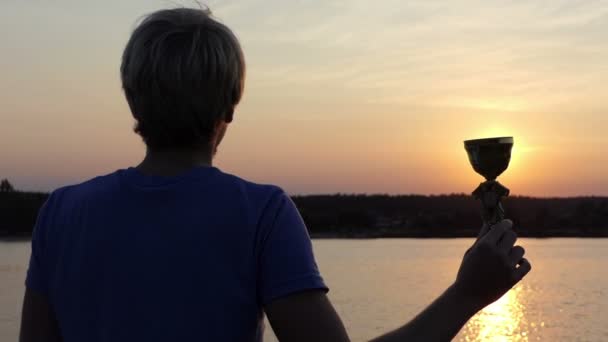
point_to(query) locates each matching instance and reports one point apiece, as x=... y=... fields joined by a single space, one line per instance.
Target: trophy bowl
x=489 y=157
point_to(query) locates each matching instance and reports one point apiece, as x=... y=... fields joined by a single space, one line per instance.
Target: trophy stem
x=491 y=193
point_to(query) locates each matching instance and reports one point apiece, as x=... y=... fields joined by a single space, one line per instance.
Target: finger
x=496 y=231
x=516 y=254
x=522 y=270
x=483 y=231
x=508 y=240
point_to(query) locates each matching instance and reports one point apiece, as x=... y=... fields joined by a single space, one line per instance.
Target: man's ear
x=229 y=115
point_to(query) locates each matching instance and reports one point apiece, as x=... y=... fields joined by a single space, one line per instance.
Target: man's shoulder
x=233 y=186
x=252 y=188
x=80 y=191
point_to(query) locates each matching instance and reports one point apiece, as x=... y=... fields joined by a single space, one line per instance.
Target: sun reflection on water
x=503 y=320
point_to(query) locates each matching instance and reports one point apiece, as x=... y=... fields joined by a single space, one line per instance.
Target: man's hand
x=489 y=269
x=492 y=265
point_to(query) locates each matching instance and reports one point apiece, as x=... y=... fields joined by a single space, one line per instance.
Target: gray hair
x=181 y=72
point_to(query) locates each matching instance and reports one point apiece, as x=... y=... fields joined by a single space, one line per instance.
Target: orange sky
x=340 y=96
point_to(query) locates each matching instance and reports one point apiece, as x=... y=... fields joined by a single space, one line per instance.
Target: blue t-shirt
x=195 y=257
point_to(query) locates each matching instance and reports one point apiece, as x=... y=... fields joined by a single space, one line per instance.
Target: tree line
x=362 y=216
x=455 y=215
x=18 y=210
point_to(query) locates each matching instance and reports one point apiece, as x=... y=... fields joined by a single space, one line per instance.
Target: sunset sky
x=341 y=96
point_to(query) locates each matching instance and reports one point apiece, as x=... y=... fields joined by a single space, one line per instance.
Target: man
x=176 y=250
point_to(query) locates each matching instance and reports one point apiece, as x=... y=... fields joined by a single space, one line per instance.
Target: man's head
x=183 y=74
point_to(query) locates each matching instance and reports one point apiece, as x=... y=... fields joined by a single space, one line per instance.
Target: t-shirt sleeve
x=37 y=274
x=287 y=264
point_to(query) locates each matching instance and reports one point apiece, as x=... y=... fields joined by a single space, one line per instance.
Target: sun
x=521 y=151
x=494 y=132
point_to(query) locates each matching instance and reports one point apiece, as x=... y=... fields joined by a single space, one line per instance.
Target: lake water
x=377 y=285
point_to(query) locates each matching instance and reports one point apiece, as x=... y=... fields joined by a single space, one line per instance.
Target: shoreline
x=446 y=237
x=27 y=238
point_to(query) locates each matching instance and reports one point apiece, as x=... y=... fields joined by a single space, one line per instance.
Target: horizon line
x=372 y=194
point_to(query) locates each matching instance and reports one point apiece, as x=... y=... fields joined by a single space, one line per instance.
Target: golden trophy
x=490 y=157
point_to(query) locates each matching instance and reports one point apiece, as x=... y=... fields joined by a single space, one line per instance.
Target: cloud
x=391 y=72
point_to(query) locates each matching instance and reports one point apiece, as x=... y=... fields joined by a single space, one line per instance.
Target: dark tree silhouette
x=371 y=216
x=455 y=215
x=18 y=210
x=6 y=186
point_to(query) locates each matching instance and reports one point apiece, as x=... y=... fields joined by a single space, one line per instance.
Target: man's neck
x=171 y=162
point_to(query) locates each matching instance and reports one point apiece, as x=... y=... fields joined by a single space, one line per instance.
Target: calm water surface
x=378 y=285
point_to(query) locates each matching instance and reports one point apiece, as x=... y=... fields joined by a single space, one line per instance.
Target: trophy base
x=491 y=193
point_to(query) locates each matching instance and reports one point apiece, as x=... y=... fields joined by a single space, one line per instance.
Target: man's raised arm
x=489 y=269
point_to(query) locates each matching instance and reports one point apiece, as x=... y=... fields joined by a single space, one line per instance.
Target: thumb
x=508 y=224
x=483 y=231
